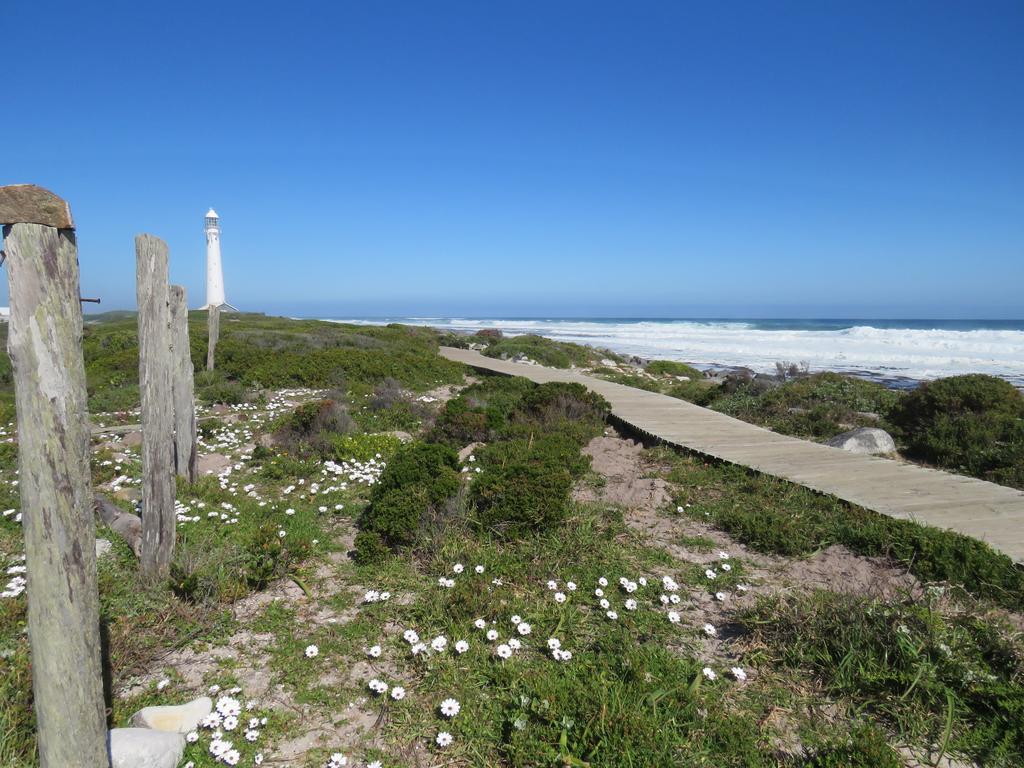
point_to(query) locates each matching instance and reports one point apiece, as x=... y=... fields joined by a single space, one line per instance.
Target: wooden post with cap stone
x=185 y=455
x=157 y=400
x=45 y=345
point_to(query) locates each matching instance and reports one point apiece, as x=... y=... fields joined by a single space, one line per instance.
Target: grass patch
x=773 y=515
x=952 y=681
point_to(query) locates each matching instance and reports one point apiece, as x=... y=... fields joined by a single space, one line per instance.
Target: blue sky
x=514 y=158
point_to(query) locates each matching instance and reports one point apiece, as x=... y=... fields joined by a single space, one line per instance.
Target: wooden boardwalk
x=986 y=511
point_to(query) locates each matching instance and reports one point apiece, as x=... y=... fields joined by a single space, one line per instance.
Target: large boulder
x=179 y=719
x=143 y=748
x=867 y=440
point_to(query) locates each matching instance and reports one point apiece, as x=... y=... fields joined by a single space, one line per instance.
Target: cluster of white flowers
x=362 y=472
x=373 y=596
x=224 y=719
x=16 y=584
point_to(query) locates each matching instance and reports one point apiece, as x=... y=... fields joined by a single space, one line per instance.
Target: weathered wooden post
x=157 y=397
x=45 y=345
x=213 y=329
x=185 y=456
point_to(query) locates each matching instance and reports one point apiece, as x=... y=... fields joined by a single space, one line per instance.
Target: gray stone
x=469 y=450
x=867 y=440
x=143 y=748
x=178 y=719
x=103 y=547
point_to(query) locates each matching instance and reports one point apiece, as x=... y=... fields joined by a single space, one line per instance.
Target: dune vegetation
x=390 y=562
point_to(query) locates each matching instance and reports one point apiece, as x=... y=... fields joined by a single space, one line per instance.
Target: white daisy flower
x=461 y=646
x=709 y=673
x=450 y=707
x=443 y=739
x=312 y=651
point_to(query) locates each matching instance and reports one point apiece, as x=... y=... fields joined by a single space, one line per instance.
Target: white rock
x=102 y=548
x=143 y=748
x=869 y=440
x=179 y=719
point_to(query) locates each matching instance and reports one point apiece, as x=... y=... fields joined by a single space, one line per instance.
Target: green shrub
x=429 y=467
x=556 y=354
x=415 y=486
x=699 y=392
x=974 y=424
x=395 y=515
x=370 y=548
x=570 y=410
x=480 y=410
x=222 y=392
x=818 y=406
x=313 y=428
x=672 y=368
x=525 y=485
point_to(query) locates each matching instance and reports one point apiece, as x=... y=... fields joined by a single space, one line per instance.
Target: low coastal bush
x=429 y=467
x=313 y=429
x=534 y=434
x=818 y=406
x=570 y=410
x=479 y=411
x=974 y=424
x=556 y=354
x=950 y=680
x=673 y=368
x=525 y=484
x=414 y=487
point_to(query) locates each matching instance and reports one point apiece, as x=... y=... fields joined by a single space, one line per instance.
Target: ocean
x=899 y=352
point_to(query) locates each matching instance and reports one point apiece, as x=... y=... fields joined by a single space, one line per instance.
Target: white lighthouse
x=214 y=269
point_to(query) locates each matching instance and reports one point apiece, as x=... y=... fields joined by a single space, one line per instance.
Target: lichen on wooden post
x=157 y=399
x=45 y=345
x=183 y=385
x=213 y=331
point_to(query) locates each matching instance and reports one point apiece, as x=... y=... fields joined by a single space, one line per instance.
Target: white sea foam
x=885 y=352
